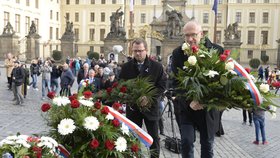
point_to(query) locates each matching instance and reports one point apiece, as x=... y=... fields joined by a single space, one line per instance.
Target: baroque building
x=258 y=22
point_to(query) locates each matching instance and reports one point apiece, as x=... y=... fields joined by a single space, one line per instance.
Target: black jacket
x=154 y=71
x=18 y=76
x=212 y=116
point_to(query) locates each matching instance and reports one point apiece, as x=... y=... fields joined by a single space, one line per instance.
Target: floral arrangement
x=23 y=146
x=87 y=128
x=215 y=80
x=138 y=93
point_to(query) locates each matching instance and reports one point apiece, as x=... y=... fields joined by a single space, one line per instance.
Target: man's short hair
x=139 y=41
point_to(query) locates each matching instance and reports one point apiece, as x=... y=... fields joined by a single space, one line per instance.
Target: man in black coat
x=142 y=66
x=192 y=114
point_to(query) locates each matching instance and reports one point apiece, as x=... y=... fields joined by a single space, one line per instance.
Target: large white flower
x=121 y=144
x=23 y=143
x=91 y=123
x=186 y=47
x=229 y=66
x=211 y=73
x=61 y=101
x=125 y=129
x=48 y=142
x=66 y=126
x=109 y=117
x=232 y=72
x=264 y=87
x=87 y=103
x=192 y=60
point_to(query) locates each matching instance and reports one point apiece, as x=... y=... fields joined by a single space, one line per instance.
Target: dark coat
x=213 y=116
x=18 y=76
x=81 y=75
x=66 y=79
x=97 y=84
x=154 y=71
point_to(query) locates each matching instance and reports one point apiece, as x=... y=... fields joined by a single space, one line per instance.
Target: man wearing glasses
x=192 y=115
x=142 y=66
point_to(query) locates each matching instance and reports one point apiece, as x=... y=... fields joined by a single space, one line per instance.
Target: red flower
x=38 y=151
x=97 y=105
x=73 y=97
x=195 y=49
x=94 y=143
x=109 y=90
x=116 y=123
x=223 y=57
x=276 y=84
x=105 y=110
x=135 y=148
x=121 y=111
x=51 y=95
x=45 y=107
x=248 y=70
x=116 y=105
x=109 y=144
x=75 y=103
x=123 y=89
x=87 y=94
x=115 y=84
x=33 y=139
x=227 y=52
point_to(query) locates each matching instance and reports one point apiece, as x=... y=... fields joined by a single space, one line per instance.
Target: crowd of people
x=190 y=114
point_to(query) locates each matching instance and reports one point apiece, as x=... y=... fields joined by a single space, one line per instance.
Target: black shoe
x=162 y=133
x=17 y=103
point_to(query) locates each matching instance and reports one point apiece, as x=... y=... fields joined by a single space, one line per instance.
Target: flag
x=131 y=5
x=250 y=83
x=143 y=136
x=215 y=6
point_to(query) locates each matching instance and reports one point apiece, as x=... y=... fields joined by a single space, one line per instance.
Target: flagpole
x=131 y=19
x=215 y=29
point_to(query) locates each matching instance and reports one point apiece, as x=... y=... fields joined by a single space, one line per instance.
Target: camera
x=169 y=93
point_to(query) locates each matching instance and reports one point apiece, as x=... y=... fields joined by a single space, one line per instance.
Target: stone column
x=68 y=45
x=109 y=43
x=32 y=47
x=278 y=53
x=168 y=45
x=9 y=41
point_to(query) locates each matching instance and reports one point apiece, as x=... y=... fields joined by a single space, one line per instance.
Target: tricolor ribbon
x=62 y=152
x=250 y=83
x=143 y=136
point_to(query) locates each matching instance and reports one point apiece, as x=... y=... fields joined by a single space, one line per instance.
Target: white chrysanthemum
x=125 y=129
x=66 y=126
x=8 y=142
x=23 y=143
x=109 y=117
x=185 y=47
x=211 y=73
x=24 y=137
x=91 y=123
x=264 y=87
x=87 y=103
x=61 y=101
x=192 y=60
x=121 y=144
x=229 y=66
x=48 y=142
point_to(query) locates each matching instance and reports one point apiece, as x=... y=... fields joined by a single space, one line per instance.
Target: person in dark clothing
x=142 y=66
x=55 y=74
x=66 y=80
x=245 y=116
x=17 y=81
x=26 y=80
x=192 y=114
x=83 y=73
x=34 y=71
x=110 y=81
x=260 y=73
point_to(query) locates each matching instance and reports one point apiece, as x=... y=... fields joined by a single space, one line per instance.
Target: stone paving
x=236 y=143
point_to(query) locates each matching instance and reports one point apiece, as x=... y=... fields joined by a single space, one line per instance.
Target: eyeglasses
x=138 y=51
x=192 y=35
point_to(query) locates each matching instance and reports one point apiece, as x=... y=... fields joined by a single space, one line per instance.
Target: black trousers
x=65 y=92
x=152 y=127
x=245 y=116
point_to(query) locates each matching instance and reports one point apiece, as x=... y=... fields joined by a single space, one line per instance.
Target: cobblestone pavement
x=237 y=141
